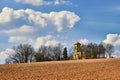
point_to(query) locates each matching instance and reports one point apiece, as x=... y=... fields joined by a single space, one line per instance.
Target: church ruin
x=78 y=53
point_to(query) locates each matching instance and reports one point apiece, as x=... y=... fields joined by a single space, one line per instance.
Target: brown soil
x=92 y=69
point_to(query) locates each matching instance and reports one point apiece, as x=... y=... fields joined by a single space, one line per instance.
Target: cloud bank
x=29 y=26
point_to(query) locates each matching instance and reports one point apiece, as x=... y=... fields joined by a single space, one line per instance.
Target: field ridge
x=87 y=69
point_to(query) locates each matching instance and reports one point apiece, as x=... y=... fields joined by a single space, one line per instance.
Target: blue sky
x=87 y=21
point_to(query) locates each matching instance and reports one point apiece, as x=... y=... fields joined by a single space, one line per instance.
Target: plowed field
x=91 y=69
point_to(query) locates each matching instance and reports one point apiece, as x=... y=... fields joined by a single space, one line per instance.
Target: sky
x=50 y=22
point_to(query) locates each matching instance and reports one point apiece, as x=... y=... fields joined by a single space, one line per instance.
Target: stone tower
x=77 y=51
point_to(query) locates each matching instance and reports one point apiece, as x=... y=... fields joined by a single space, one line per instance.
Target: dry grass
x=96 y=69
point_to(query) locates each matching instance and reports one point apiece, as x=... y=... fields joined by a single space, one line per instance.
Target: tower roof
x=77 y=43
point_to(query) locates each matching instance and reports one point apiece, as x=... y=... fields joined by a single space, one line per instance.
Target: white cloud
x=51 y=43
x=21 y=35
x=20 y=39
x=45 y=41
x=37 y=42
x=23 y=30
x=61 y=2
x=35 y=24
x=61 y=20
x=6 y=15
x=56 y=2
x=8 y=51
x=4 y=55
x=64 y=19
x=34 y=2
x=84 y=41
x=116 y=53
x=37 y=17
x=43 y=2
x=113 y=39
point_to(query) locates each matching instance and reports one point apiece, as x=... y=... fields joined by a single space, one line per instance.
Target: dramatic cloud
x=64 y=19
x=61 y=20
x=44 y=2
x=29 y=26
x=84 y=41
x=113 y=39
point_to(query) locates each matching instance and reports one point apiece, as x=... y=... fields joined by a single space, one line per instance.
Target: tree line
x=93 y=50
x=25 y=53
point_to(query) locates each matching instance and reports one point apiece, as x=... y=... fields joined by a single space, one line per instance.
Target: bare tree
x=43 y=54
x=93 y=50
x=24 y=53
x=101 y=51
x=70 y=53
x=57 y=51
x=109 y=48
x=49 y=53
